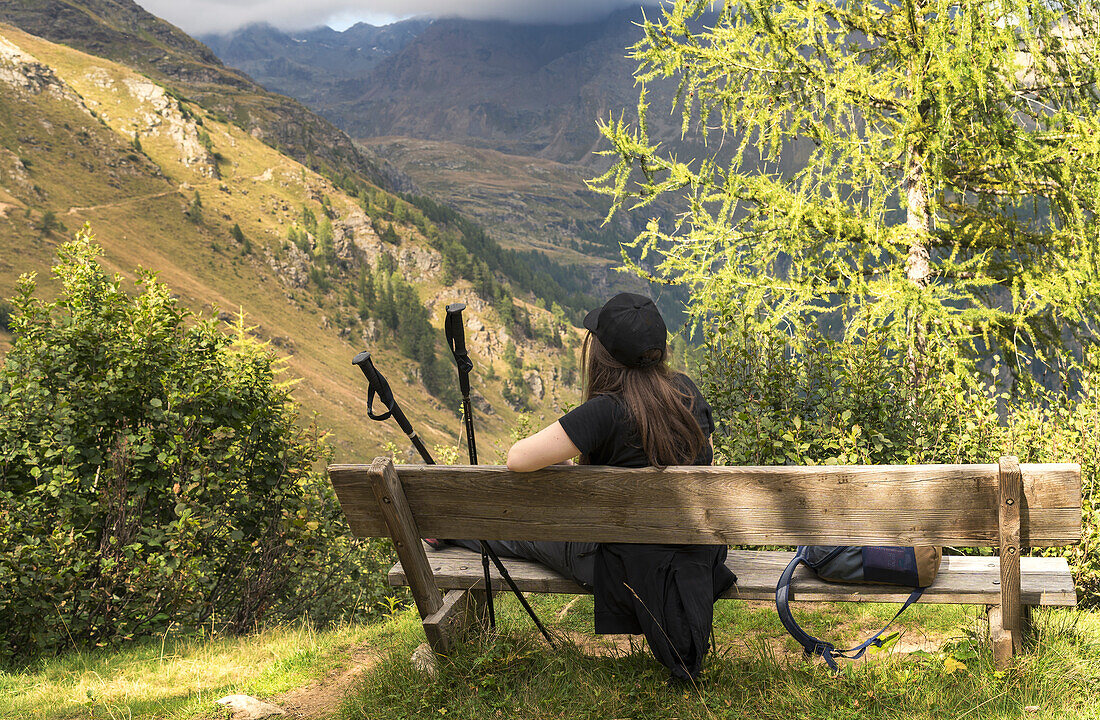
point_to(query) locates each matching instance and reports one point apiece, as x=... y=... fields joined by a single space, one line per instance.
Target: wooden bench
x=1007 y=506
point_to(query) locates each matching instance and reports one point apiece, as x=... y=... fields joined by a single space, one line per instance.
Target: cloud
x=212 y=16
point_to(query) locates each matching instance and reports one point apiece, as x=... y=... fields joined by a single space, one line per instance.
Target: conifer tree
x=931 y=167
x=194 y=209
x=326 y=249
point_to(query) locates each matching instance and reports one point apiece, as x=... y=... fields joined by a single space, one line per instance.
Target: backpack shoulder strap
x=810 y=644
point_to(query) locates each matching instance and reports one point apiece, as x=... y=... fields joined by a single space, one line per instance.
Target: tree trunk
x=917 y=266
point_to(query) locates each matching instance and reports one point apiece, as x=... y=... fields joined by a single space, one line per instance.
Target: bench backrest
x=787 y=505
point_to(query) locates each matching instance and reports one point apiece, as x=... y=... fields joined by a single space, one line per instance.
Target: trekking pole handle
x=377 y=385
x=456 y=340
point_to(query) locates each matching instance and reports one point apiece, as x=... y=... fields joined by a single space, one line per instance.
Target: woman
x=637 y=413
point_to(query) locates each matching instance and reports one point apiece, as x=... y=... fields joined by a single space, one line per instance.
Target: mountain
x=529 y=90
x=122 y=31
x=234 y=225
x=309 y=63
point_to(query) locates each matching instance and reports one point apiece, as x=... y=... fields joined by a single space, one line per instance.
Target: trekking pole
x=377 y=385
x=456 y=340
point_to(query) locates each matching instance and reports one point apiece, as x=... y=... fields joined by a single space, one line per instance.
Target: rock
x=162 y=114
x=513 y=398
x=292 y=267
x=481 y=404
x=534 y=381
x=245 y=707
x=371 y=332
x=423 y=659
x=418 y=263
x=24 y=73
x=282 y=342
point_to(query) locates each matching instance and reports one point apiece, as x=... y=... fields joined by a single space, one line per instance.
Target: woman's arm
x=548 y=446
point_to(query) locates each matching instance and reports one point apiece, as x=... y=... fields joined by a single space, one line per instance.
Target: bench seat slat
x=789 y=505
x=961 y=579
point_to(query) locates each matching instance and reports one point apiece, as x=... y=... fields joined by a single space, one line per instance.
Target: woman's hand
x=548 y=446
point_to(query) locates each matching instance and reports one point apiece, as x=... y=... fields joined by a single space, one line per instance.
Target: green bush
x=819 y=401
x=153 y=474
x=833 y=402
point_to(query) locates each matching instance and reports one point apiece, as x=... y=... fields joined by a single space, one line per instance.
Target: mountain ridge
x=521 y=89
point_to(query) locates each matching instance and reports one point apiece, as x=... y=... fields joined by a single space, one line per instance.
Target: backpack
x=914 y=567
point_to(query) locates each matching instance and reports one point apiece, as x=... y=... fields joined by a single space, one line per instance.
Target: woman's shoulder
x=600 y=404
x=605 y=402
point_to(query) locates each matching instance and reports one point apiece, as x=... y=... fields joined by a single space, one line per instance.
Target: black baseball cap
x=629 y=326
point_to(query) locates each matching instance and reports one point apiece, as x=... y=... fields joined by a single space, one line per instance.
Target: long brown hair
x=661 y=408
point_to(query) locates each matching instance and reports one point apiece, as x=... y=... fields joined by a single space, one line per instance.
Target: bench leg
x=1005 y=620
x=461 y=609
x=1007 y=642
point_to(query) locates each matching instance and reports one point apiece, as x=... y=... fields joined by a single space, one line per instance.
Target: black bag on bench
x=914 y=567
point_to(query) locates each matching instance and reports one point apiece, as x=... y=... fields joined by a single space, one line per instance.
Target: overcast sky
x=211 y=16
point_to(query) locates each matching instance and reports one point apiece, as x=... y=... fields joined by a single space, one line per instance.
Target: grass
x=755 y=673
x=941 y=667
x=175 y=677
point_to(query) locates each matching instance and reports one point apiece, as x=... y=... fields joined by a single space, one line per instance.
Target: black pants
x=574 y=560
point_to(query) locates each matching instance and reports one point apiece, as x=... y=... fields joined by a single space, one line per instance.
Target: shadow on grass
x=515 y=675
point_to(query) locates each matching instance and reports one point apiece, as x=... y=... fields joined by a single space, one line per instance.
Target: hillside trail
x=179 y=190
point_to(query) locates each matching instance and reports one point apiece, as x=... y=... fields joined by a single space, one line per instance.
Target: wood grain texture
x=394 y=507
x=961 y=580
x=1008 y=518
x=863 y=505
x=459 y=610
x=999 y=638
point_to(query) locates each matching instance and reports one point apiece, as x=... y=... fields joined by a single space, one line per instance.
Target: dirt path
x=175 y=191
x=322 y=699
x=120 y=203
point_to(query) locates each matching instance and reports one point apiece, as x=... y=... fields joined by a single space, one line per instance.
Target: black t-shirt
x=603 y=430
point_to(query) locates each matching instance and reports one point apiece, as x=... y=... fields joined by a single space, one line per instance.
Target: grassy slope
x=86 y=171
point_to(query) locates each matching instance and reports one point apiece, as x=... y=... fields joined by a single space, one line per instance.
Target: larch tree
x=928 y=168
